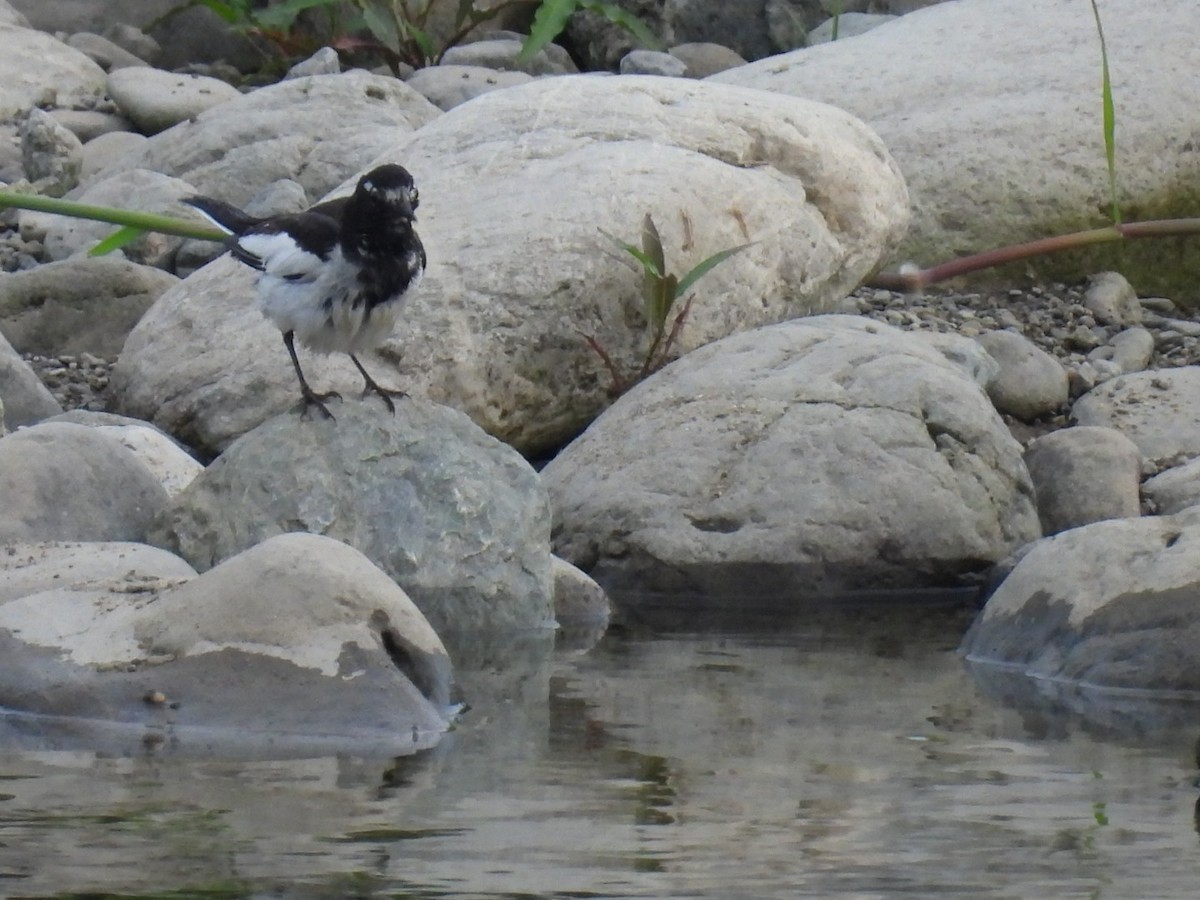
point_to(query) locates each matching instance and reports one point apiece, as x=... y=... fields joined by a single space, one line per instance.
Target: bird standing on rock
x=336 y=275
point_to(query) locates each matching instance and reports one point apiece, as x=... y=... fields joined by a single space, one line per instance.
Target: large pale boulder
x=517 y=189
x=459 y=520
x=37 y=69
x=815 y=456
x=61 y=481
x=993 y=110
x=1111 y=604
x=324 y=652
x=316 y=130
x=1158 y=410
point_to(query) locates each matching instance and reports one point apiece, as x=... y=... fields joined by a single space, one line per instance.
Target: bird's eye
x=414 y=198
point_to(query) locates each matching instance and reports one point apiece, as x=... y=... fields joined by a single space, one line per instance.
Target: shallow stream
x=855 y=755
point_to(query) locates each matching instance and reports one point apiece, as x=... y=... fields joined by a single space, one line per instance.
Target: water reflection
x=850 y=755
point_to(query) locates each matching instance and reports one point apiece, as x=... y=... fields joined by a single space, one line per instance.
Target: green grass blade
x=548 y=23
x=117 y=240
x=1110 y=120
x=283 y=15
x=143 y=220
x=625 y=19
x=382 y=25
x=699 y=271
x=637 y=253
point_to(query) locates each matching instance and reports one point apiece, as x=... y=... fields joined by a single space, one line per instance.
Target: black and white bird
x=336 y=275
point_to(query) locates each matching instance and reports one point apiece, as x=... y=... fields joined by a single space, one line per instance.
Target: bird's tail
x=224 y=215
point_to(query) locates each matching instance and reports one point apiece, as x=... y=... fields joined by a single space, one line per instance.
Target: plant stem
x=130 y=218
x=915 y=281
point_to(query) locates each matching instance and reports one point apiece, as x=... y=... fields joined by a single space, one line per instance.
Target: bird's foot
x=312 y=398
x=386 y=394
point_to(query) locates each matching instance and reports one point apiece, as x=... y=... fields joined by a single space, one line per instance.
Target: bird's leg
x=311 y=397
x=386 y=393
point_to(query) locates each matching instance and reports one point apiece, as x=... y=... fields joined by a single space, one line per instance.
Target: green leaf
x=117 y=240
x=699 y=271
x=382 y=25
x=637 y=253
x=1110 y=119
x=283 y=15
x=548 y=23
x=465 y=9
x=228 y=12
x=423 y=41
x=624 y=19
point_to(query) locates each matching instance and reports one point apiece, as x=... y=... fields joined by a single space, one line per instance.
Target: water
x=851 y=756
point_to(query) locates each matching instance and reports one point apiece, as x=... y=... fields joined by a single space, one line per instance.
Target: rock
x=577 y=598
x=37 y=70
x=1112 y=299
x=317 y=130
x=1132 y=349
x=1031 y=383
x=155 y=100
x=1016 y=152
x=1174 y=490
x=849 y=24
x=63 y=482
x=9 y=16
x=134 y=41
x=448 y=86
x=208 y=667
x=104 y=150
x=107 y=55
x=704 y=58
x=652 y=62
x=1083 y=475
x=86 y=304
x=1158 y=410
x=137 y=189
x=87 y=124
x=899 y=473
x=50 y=153
x=456 y=518
x=967 y=353
x=518 y=266
x=324 y=62
x=502 y=54
x=1108 y=605
x=26 y=400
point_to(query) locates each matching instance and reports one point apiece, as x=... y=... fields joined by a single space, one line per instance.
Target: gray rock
x=849 y=24
x=136 y=189
x=51 y=154
x=518 y=267
x=1174 y=490
x=38 y=70
x=577 y=598
x=26 y=399
x=1132 y=349
x=1109 y=605
x=82 y=305
x=704 y=58
x=324 y=62
x=652 y=62
x=154 y=100
x=9 y=16
x=1112 y=299
x=937 y=85
x=899 y=473
x=104 y=150
x=135 y=41
x=317 y=130
x=967 y=353
x=63 y=482
x=87 y=124
x=1031 y=383
x=108 y=55
x=455 y=517
x=447 y=86
x=503 y=53
x=204 y=665
x=1158 y=410
x=1083 y=475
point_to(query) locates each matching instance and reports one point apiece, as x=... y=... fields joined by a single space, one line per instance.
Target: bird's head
x=387 y=191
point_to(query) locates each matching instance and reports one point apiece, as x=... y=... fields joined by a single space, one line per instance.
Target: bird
x=336 y=275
